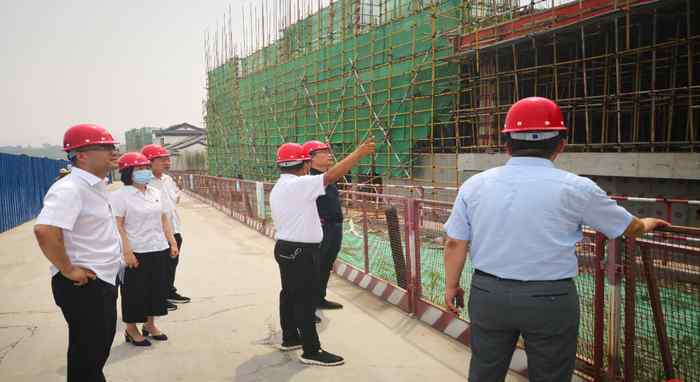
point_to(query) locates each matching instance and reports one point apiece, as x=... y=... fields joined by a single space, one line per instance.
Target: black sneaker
x=175 y=298
x=290 y=345
x=317 y=319
x=170 y=305
x=330 y=305
x=322 y=358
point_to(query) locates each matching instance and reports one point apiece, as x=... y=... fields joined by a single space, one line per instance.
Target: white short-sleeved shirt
x=294 y=211
x=523 y=220
x=142 y=213
x=171 y=193
x=78 y=204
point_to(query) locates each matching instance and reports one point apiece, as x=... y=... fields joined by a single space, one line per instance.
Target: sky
x=121 y=64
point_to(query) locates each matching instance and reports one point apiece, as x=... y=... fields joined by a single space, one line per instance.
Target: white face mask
x=142 y=176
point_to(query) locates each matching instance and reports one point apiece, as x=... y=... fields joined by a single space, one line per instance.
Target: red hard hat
x=534 y=114
x=288 y=154
x=153 y=151
x=86 y=135
x=311 y=146
x=132 y=159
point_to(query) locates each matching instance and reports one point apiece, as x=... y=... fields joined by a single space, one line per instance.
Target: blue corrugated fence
x=24 y=181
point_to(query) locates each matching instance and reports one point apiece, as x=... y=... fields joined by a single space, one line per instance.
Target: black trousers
x=91 y=313
x=330 y=246
x=299 y=295
x=545 y=313
x=172 y=265
x=145 y=288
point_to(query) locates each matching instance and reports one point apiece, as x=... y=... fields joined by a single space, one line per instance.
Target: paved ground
x=227 y=332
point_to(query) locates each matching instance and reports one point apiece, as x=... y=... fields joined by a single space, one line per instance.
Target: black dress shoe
x=159 y=337
x=170 y=306
x=129 y=339
x=325 y=304
x=176 y=298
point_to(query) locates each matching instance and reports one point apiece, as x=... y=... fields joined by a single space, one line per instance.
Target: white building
x=187 y=144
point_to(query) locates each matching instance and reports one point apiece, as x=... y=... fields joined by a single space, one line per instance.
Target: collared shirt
x=329 y=208
x=294 y=212
x=142 y=213
x=171 y=193
x=78 y=204
x=523 y=220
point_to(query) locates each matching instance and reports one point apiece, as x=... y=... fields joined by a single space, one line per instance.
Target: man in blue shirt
x=520 y=223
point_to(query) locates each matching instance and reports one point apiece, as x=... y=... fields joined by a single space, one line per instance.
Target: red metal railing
x=640 y=298
x=448 y=194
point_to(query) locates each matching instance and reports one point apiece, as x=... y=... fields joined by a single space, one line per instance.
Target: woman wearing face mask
x=147 y=241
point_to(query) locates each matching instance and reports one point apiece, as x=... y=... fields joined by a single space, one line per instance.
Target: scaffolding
x=432 y=79
x=137 y=138
x=623 y=73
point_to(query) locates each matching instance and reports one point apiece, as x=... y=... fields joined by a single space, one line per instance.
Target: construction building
x=433 y=80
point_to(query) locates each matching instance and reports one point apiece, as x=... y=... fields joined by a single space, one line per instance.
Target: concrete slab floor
x=228 y=330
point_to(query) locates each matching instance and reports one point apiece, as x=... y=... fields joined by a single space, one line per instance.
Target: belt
x=299 y=245
x=482 y=273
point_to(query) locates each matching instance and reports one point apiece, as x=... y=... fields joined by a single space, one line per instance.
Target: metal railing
x=664 y=206
x=639 y=298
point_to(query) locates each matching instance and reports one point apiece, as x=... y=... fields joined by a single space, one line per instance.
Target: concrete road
x=228 y=330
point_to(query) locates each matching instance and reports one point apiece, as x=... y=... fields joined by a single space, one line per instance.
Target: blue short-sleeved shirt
x=523 y=220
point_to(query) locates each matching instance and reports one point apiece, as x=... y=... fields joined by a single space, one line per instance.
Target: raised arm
x=343 y=167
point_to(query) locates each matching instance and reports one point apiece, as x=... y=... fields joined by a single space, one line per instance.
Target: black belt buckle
x=482 y=273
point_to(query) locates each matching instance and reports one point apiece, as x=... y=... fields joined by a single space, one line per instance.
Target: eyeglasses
x=98 y=148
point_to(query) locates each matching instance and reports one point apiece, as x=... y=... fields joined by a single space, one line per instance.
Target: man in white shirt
x=299 y=235
x=160 y=163
x=78 y=235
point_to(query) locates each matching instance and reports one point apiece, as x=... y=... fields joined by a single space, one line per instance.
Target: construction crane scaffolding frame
x=433 y=79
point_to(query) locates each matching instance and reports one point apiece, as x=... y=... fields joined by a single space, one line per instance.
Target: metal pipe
x=657 y=311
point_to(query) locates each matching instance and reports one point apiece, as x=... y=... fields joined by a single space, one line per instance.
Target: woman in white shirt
x=148 y=240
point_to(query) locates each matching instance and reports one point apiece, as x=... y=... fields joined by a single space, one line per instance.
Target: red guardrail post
x=409 y=226
x=415 y=243
x=599 y=308
x=614 y=303
x=365 y=235
x=630 y=269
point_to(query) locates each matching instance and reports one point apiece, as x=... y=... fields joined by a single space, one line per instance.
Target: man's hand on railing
x=639 y=227
x=454 y=299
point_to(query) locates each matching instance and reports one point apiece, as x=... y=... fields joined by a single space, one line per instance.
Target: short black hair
x=541 y=149
x=291 y=169
x=128 y=176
